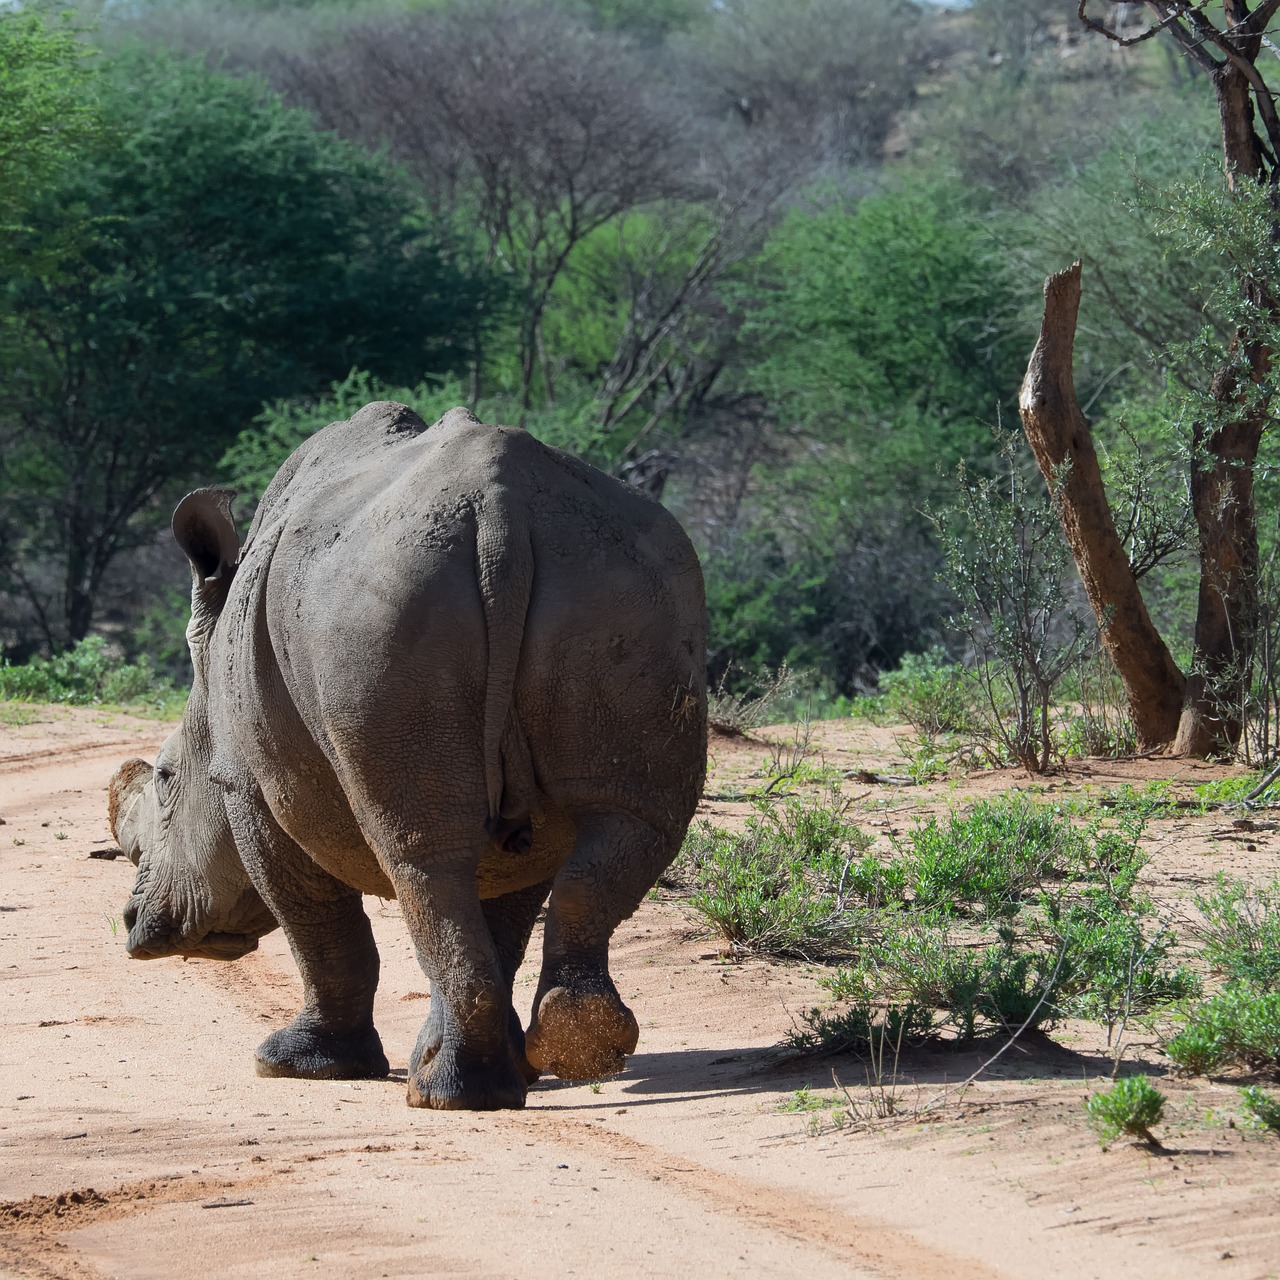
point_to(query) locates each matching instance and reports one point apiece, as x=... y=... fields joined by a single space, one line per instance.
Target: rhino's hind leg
x=581 y=1030
x=464 y=1059
x=510 y=918
x=333 y=1038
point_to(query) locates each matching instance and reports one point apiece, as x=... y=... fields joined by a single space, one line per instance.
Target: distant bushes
x=88 y=674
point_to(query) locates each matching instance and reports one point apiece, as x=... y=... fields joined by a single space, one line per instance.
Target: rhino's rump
x=402 y=623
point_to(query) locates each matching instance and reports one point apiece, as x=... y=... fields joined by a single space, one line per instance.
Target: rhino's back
x=384 y=472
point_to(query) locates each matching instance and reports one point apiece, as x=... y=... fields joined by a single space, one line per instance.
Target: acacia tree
x=233 y=254
x=1195 y=713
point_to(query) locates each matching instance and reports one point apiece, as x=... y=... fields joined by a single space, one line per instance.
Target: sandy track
x=136 y=1080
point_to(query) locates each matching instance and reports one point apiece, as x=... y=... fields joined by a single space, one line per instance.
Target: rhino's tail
x=504 y=556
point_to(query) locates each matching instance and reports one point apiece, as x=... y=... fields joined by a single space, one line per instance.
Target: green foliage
x=1007 y=915
x=1261 y=1107
x=915 y=958
x=1239 y=1028
x=47 y=109
x=1241 y=929
x=860 y=1028
x=889 y=320
x=1235 y=788
x=803 y=1100
x=234 y=254
x=783 y=885
x=990 y=858
x=1113 y=968
x=161 y=634
x=1132 y=1106
x=647 y=20
x=88 y=674
x=928 y=692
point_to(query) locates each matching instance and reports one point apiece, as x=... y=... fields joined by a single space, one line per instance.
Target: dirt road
x=136 y=1080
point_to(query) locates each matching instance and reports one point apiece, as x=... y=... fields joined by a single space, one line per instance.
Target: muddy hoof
x=581 y=1036
x=431 y=1037
x=304 y=1053
x=444 y=1085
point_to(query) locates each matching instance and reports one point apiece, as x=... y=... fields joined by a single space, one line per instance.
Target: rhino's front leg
x=580 y=1029
x=464 y=1059
x=333 y=1037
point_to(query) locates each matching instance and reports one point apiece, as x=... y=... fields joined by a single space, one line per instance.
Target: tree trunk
x=1222 y=464
x=1060 y=438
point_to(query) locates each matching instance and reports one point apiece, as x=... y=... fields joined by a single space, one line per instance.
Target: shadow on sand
x=689 y=1074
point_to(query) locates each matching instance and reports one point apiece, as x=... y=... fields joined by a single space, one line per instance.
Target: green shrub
x=913 y=959
x=1261 y=1107
x=880 y=883
x=991 y=857
x=1111 y=968
x=85 y=675
x=928 y=692
x=1132 y=1106
x=782 y=886
x=1241 y=932
x=860 y=1028
x=1233 y=789
x=1237 y=1028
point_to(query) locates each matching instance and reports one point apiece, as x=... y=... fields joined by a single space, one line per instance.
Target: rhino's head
x=192 y=896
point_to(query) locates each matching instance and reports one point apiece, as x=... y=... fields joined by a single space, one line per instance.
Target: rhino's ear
x=204 y=529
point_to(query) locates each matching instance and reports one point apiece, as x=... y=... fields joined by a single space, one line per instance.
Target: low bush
x=1132 y=1106
x=999 y=918
x=1235 y=789
x=85 y=675
x=1241 y=929
x=1261 y=1108
x=916 y=961
x=861 y=1028
x=1237 y=1029
x=1112 y=968
x=928 y=692
x=784 y=886
x=991 y=857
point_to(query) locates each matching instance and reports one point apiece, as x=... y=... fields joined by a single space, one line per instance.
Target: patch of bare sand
x=133 y=1078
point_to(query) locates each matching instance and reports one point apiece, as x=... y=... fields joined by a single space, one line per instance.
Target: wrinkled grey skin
x=450 y=665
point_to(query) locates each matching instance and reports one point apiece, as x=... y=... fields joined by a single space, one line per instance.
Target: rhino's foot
x=445 y=1085
x=301 y=1051
x=581 y=1035
x=431 y=1037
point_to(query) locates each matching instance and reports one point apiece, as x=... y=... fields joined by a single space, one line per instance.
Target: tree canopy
x=228 y=253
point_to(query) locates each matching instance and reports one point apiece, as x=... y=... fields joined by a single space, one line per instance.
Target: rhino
x=453 y=666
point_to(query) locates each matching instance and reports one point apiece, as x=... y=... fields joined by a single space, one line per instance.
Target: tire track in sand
x=880 y=1249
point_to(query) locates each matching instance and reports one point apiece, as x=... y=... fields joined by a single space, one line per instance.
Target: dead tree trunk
x=1060 y=438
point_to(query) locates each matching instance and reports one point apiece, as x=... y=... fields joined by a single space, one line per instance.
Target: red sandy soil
x=135 y=1140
